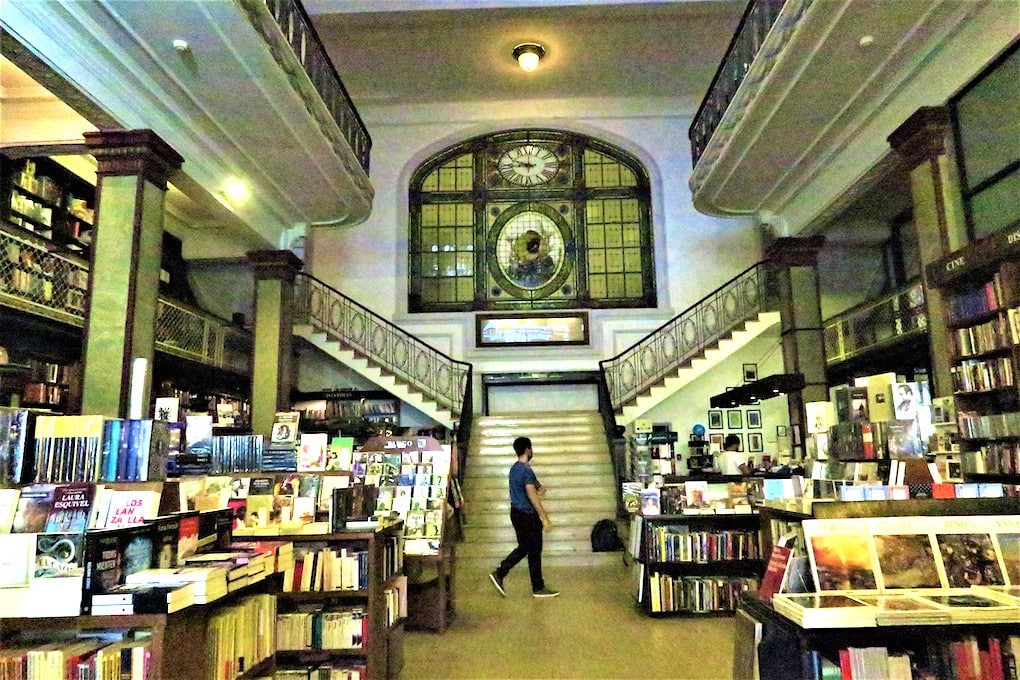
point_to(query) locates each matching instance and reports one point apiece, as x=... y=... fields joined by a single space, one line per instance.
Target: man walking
x=529 y=519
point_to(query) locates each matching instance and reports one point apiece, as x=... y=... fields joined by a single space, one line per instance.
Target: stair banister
x=651 y=359
x=409 y=359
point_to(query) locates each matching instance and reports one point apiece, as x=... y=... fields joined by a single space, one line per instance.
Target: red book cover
x=844 y=665
x=943 y=490
x=779 y=561
x=995 y=668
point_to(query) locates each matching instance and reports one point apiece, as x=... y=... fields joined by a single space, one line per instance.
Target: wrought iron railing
x=38 y=280
x=297 y=29
x=754 y=25
x=874 y=323
x=650 y=360
x=437 y=376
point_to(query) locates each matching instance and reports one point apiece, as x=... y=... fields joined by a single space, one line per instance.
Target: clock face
x=528 y=165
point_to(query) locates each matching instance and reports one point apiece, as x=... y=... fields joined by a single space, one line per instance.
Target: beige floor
x=592 y=630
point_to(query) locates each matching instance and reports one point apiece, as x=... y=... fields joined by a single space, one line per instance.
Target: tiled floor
x=592 y=630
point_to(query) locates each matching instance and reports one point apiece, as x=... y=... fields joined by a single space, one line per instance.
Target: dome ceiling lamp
x=528 y=55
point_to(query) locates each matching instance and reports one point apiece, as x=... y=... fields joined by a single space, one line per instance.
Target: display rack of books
x=894 y=597
x=981 y=286
x=344 y=603
x=44 y=197
x=50 y=385
x=696 y=564
x=336 y=406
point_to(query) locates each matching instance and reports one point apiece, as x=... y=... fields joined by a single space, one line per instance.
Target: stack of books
x=143 y=599
x=209 y=583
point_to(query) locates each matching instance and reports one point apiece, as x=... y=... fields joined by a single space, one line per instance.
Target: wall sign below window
x=563 y=328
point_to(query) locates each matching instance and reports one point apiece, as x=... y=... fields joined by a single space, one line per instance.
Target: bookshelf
x=377 y=598
x=697 y=564
x=321 y=409
x=981 y=286
x=47 y=199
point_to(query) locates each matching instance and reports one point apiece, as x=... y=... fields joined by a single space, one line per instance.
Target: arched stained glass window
x=530 y=219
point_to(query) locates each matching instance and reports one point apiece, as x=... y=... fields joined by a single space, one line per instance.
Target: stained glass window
x=530 y=219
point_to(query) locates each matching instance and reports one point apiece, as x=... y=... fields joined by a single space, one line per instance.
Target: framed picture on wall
x=715 y=420
x=781 y=431
x=750 y=372
x=735 y=419
x=754 y=419
x=739 y=436
x=715 y=442
x=754 y=442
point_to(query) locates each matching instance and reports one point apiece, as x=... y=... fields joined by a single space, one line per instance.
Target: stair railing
x=684 y=337
x=400 y=354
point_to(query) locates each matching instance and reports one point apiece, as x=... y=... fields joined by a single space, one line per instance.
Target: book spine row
x=670 y=545
x=980 y=376
x=977 y=301
x=999 y=333
x=79 y=660
x=236 y=453
x=321 y=630
x=333 y=670
x=326 y=570
x=695 y=594
x=240 y=636
x=396 y=601
x=994 y=426
x=14 y=426
x=68 y=448
x=393 y=557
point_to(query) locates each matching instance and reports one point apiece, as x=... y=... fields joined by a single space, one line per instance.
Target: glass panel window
x=546 y=236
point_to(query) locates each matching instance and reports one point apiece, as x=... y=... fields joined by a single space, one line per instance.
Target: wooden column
x=274 y=320
x=924 y=142
x=134 y=166
x=793 y=264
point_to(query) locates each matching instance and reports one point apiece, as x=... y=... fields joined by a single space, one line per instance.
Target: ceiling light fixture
x=528 y=55
x=181 y=45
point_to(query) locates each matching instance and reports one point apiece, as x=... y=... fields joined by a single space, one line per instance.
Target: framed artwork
x=560 y=328
x=750 y=372
x=754 y=442
x=781 y=430
x=735 y=419
x=739 y=436
x=754 y=419
x=715 y=442
x=715 y=420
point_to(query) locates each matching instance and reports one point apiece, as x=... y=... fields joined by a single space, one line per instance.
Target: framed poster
x=715 y=442
x=554 y=328
x=754 y=442
x=715 y=421
x=754 y=419
x=781 y=431
x=735 y=419
x=750 y=372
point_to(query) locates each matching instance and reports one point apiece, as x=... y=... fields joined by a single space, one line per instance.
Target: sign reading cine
x=569 y=328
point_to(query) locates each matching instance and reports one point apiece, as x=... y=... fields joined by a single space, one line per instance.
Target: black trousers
x=528 y=527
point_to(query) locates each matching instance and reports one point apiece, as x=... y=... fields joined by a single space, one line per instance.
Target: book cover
x=59 y=555
x=650 y=501
x=330 y=482
x=198 y=435
x=8 y=508
x=775 y=572
x=1009 y=549
x=285 y=429
x=969 y=559
x=167 y=409
x=34 y=506
x=187 y=535
x=166 y=536
x=129 y=507
x=339 y=454
x=907 y=561
x=312 y=451
x=841 y=561
x=71 y=506
x=14 y=433
x=17 y=559
x=111 y=555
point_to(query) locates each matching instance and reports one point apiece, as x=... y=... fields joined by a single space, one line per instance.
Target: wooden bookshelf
x=693 y=573
x=382 y=654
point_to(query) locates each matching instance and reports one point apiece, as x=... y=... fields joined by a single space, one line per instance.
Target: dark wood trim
x=280 y=265
x=134 y=152
x=922 y=136
x=789 y=251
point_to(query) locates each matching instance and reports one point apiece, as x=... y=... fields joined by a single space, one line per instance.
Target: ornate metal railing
x=873 y=323
x=405 y=357
x=40 y=281
x=647 y=362
x=297 y=30
x=754 y=25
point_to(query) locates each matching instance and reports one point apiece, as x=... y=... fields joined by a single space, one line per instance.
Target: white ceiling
x=416 y=51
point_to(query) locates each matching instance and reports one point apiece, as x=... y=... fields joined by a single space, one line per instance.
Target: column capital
x=133 y=152
x=922 y=136
x=794 y=251
x=274 y=264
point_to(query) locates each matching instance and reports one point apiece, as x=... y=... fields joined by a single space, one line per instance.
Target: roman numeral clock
x=528 y=165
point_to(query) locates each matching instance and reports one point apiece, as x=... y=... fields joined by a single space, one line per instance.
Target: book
x=312 y=451
x=34 y=506
x=71 y=507
x=339 y=453
x=14 y=441
x=650 y=501
x=120 y=507
x=285 y=429
x=8 y=508
x=187 y=534
x=775 y=572
x=110 y=556
x=59 y=555
x=17 y=559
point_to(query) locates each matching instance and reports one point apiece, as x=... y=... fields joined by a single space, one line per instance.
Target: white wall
x=694 y=253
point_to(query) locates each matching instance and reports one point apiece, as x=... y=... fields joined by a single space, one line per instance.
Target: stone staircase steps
x=571 y=459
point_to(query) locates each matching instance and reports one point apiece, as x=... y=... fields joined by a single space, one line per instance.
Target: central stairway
x=572 y=460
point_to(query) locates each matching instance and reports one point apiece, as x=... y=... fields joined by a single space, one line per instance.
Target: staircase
x=572 y=460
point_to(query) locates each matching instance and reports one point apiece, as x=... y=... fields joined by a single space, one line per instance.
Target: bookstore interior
x=875 y=536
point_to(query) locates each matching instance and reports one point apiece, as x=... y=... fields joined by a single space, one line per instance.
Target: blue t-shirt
x=520 y=476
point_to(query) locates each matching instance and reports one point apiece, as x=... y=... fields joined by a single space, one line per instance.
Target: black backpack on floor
x=605 y=537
